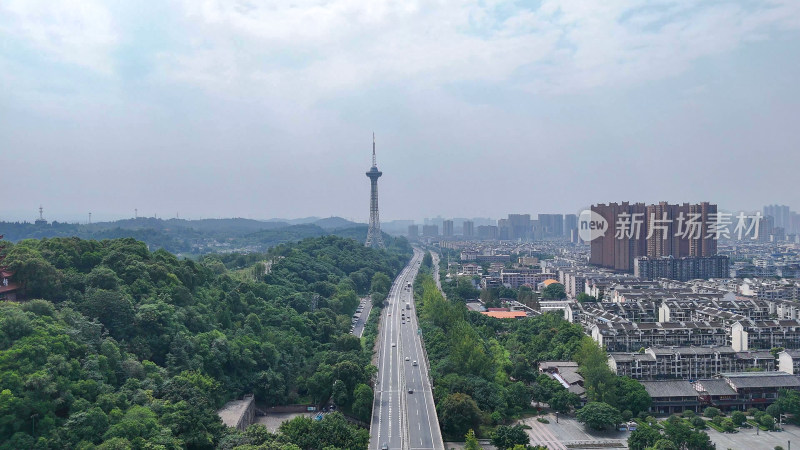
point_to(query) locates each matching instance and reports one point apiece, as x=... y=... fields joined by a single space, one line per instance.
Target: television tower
x=374 y=236
x=40 y=220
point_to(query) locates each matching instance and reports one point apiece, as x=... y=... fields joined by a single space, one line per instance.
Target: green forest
x=121 y=347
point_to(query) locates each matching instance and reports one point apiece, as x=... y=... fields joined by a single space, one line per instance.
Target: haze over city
x=232 y=109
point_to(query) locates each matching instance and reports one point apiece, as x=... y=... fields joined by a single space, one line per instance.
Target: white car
x=394 y=344
x=408 y=359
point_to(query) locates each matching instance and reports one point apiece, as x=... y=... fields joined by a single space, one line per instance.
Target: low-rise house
x=566 y=373
x=759 y=389
x=672 y=396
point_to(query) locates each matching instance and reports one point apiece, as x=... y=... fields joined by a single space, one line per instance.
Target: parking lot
x=569 y=433
x=748 y=439
x=359 y=319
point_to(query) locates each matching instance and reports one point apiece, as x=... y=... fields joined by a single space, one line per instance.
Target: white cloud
x=79 y=32
x=318 y=48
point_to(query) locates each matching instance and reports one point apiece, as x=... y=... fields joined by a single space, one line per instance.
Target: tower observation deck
x=374 y=236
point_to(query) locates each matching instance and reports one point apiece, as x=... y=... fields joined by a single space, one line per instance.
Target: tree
x=584 y=297
x=554 y=291
x=471 y=442
x=505 y=437
x=728 y=426
x=664 y=444
x=599 y=415
x=711 y=412
x=87 y=425
x=738 y=418
x=643 y=436
x=427 y=260
x=458 y=413
x=340 y=394
x=632 y=395
x=518 y=395
x=599 y=381
x=362 y=402
x=381 y=283
x=114 y=309
x=767 y=421
x=564 y=401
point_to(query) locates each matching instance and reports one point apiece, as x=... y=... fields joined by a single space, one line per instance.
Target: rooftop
x=505 y=314
x=739 y=380
x=669 y=388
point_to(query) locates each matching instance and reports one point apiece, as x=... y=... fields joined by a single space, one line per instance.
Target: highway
x=400 y=419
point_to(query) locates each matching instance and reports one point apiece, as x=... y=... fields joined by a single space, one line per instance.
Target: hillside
x=125 y=346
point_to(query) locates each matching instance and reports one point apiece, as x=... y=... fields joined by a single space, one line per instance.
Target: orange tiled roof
x=505 y=314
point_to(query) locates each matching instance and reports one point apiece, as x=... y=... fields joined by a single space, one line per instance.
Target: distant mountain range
x=191 y=237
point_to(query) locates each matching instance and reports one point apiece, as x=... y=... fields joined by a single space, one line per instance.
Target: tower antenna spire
x=374 y=236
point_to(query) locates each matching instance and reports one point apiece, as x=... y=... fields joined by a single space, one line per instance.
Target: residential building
x=636 y=230
x=487 y=232
x=468 y=229
x=519 y=226
x=447 y=228
x=682 y=269
x=673 y=396
x=789 y=361
x=430 y=230
x=413 y=232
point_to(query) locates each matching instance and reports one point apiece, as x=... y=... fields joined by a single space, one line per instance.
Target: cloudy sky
x=212 y=108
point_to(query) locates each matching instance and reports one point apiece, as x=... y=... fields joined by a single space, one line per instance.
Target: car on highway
x=394 y=344
x=414 y=363
x=404 y=322
x=408 y=359
x=385 y=447
x=410 y=391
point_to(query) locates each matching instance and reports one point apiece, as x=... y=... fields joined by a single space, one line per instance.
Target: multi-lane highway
x=403 y=412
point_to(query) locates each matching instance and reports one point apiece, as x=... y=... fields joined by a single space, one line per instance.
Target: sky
x=260 y=109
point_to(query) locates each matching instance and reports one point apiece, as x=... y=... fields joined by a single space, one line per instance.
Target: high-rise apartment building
x=447 y=228
x=469 y=229
x=503 y=230
x=519 y=226
x=430 y=230
x=552 y=226
x=570 y=225
x=413 y=232
x=487 y=232
x=618 y=251
x=656 y=231
x=781 y=214
x=703 y=244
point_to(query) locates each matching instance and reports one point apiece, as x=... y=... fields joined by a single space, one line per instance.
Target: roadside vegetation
x=127 y=348
x=485 y=370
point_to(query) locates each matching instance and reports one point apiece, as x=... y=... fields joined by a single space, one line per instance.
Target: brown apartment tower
x=667 y=232
x=618 y=253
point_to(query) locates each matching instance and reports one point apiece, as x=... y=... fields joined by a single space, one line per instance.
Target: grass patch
x=542 y=420
x=756 y=424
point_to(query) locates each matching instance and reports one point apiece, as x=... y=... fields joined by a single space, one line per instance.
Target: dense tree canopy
x=491 y=362
x=130 y=346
